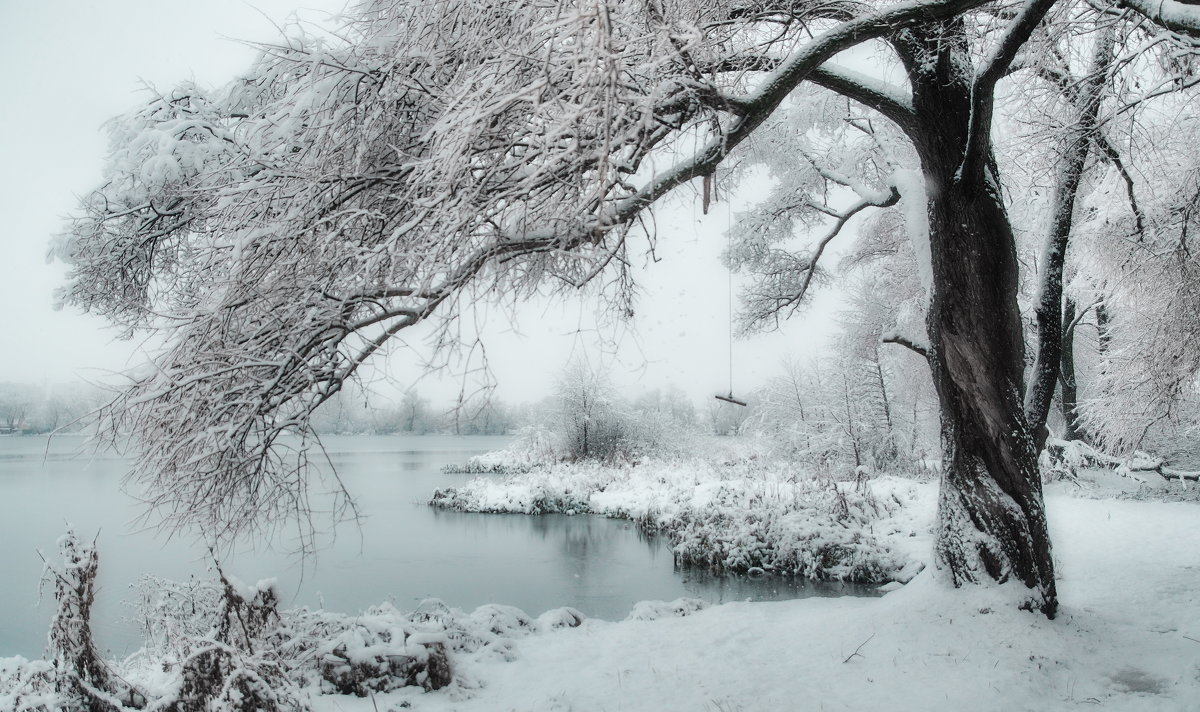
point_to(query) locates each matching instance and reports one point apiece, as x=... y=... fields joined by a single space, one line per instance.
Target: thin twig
x=856 y=653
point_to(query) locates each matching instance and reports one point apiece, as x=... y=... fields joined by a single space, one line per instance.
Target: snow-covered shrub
x=591 y=422
x=533 y=447
x=590 y=419
x=218 y=677
x=28 y=685
x=236 y=662
x=222 y=646
x=378 y=652
x=820 y=532
x=171 y=613
x=82 y=678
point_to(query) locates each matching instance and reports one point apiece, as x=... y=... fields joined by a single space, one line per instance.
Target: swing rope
x=728 y=288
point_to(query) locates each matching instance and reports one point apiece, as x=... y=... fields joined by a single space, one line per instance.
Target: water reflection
x=405 y=550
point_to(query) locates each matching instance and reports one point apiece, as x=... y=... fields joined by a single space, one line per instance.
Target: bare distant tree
x=17 y=404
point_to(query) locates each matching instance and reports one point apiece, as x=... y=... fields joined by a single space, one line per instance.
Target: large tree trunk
x=991 y=519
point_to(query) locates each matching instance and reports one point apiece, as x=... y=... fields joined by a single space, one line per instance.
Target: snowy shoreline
x=1128 y=636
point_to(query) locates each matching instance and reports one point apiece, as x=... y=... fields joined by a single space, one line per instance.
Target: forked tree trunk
x=991 y=519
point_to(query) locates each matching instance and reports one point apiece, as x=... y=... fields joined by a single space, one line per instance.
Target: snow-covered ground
x=1127 y=638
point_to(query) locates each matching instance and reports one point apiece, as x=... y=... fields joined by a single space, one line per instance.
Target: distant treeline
x=358 y=413
x=31 y=409
x=582 y=400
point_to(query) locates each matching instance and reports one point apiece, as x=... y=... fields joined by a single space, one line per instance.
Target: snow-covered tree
x=281 y=232
x=589 y=417
x=1144 y=378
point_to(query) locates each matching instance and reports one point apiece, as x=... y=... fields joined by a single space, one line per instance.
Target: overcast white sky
x=68 y=65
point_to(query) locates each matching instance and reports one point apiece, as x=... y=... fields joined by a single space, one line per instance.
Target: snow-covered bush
x=533 y=446
x=375 y=652
x=588 y=422
x=28 y=685
x=591 y=422
x=218 y=645
x=81 y=677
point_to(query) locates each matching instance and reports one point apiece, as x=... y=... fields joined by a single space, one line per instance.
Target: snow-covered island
x=740 y=515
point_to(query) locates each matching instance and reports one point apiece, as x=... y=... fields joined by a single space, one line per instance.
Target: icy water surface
x=405 y=551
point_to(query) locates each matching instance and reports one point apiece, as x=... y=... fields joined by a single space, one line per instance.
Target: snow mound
x=654 y=610
x=565 y=617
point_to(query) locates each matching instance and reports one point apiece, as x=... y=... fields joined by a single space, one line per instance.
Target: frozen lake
x=405 y=551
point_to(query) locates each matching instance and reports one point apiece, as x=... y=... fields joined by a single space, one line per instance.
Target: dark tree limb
x=983 y=90
x=1110 y=152
x=1048 y=313
x=920 y=349
x=866 y=90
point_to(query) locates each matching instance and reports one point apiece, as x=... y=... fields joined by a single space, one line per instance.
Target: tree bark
x=991 y=518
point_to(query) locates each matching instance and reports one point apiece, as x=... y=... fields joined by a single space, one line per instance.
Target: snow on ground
x=1127 y=638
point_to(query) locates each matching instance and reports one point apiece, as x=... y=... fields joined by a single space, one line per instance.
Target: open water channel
x=403 y=552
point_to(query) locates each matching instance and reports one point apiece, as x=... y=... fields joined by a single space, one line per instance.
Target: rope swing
x=709 y=186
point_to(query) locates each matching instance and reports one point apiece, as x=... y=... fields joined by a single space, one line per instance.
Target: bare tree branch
x=920 y=349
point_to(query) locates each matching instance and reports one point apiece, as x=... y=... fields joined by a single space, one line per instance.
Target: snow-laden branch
x=920 y=348
x=1181 y=17
x=868 y=91
x=780 y=83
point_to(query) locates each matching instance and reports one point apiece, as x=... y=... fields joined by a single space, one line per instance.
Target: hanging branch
x=783 y=269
